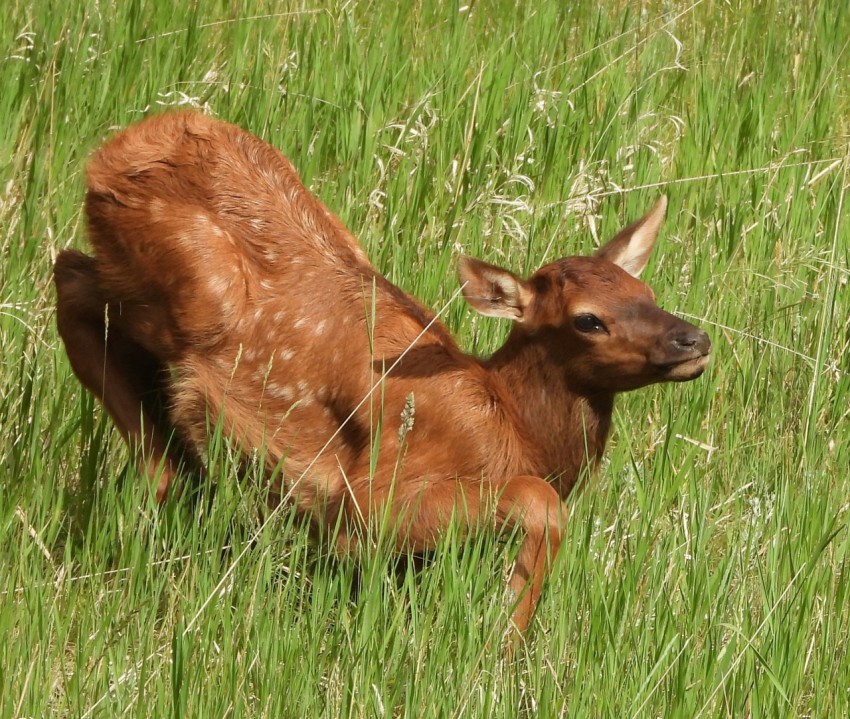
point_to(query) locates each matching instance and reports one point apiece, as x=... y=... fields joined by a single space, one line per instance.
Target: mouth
x=684 y=370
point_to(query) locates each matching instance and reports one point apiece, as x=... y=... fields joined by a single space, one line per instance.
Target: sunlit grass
x=705 y=571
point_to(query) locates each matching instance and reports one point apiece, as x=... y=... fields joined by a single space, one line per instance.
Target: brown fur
x=223 y=291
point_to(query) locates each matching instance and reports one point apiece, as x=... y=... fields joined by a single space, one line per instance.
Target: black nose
x=692 y=341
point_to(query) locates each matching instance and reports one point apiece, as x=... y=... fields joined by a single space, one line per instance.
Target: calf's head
x=592 y=316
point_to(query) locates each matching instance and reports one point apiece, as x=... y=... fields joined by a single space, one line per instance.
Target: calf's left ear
x=493 y=291
x=631 y=247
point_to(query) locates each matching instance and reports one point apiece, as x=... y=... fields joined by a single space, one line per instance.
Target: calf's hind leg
x=129 y=381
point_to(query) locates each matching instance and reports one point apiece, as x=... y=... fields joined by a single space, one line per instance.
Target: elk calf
x=222 y=291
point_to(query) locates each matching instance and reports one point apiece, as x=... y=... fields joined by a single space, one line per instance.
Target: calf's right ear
x=631 y=247
x=493 y=291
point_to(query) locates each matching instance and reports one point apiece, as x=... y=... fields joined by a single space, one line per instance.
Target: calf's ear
x=631 y=247
x=493 y=291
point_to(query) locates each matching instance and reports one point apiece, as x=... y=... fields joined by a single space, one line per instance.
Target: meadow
x=706 y=570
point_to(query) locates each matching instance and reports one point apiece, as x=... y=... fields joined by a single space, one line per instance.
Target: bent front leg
x=420 y=514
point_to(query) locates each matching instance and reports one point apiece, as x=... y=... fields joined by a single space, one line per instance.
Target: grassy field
x=707 y=571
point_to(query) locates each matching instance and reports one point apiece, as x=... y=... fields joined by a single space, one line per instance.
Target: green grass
x=706 y=571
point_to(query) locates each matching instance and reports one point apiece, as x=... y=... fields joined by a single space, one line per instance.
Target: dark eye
x=588 y=323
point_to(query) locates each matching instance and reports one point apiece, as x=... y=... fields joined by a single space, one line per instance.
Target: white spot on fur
x=305 y=396
x=219 y=284
x=257 y=224
x=281 y=392
x=156 y=208
x=286 y=355
x=278 y=316
x=227 y=307
x=320 y=328
x=258 y=314
x=300 y=322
